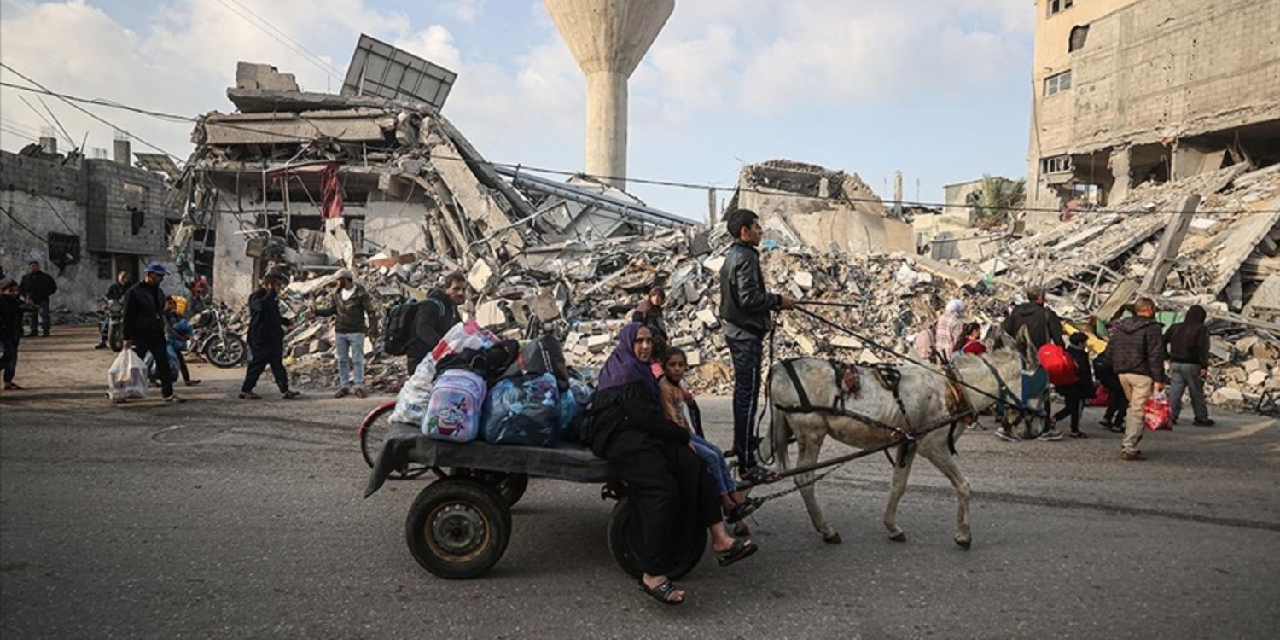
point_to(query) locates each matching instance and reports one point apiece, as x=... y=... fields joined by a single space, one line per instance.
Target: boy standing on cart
x=745 y=309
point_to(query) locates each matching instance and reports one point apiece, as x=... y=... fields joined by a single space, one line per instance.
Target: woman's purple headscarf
x=623 y=367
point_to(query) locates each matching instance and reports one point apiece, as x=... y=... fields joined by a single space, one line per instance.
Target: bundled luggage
x=474 y=386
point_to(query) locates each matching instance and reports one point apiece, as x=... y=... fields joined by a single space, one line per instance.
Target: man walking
x=144 y=326
x=115 y=293
x=351 y=305
x=949 y=331
x=11 y=310
x=1137 y=355
x=37 y=287
x=745 y=310
x=266 y=339
x=1189 y=354
x=435 y=316
x=1043 y=326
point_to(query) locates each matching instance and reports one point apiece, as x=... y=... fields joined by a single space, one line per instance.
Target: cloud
x=465 y=11
x=435 y=43
x=771 y=59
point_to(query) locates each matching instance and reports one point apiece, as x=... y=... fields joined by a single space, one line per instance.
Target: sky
x=938 y=90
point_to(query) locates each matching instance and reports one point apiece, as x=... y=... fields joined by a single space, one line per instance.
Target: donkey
x=928 y=397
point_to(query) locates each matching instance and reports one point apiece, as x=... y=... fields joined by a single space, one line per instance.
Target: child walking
x=679 y=407
x=1081 y=390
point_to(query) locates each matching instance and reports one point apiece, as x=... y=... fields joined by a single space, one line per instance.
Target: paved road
x=222 y=518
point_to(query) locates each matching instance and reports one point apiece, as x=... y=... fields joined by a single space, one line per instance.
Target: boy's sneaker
x=1207 y=422
x=1005 y=435
x=101 y=345
x=290 y=395
x=1052 y=435
x=249 y=395
x=173 y=399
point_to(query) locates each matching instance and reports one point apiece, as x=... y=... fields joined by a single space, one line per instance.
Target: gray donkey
x=928 y=397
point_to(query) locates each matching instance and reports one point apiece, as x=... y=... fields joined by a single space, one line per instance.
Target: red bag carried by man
x=1156 y=413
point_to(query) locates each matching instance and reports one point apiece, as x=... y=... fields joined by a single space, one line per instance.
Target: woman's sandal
x=662 y=593
x=741 y=550
x=1079 y=434
x=740 y=511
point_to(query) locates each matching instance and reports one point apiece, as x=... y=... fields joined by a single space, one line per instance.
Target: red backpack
x=1059 y=364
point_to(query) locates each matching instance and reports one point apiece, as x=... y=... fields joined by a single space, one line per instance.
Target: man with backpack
x=1042 y=326
x=434 y=317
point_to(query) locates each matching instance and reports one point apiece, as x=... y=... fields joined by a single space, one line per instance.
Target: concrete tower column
x=607 y=125
x=608 y=38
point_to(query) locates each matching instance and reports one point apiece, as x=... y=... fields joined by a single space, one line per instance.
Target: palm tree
x=997 y=200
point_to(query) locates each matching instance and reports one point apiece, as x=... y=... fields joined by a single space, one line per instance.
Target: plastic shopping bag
x=127 y=377
x=1156 y=414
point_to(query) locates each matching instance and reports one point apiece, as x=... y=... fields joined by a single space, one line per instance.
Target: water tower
x=608 y=38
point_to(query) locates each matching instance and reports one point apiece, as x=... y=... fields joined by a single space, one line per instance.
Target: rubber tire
x=115 y=337
x=624 y=530
x=485 y=501
x=372 y=439
x=225 y=364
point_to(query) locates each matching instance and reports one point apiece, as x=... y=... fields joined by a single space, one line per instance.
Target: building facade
x=1130 y=91
x=83 y=220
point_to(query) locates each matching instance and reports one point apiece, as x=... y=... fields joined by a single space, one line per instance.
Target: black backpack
x=397 y=327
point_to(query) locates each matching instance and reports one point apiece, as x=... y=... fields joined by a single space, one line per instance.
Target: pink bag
x=1101 y=397
x=1156 y=414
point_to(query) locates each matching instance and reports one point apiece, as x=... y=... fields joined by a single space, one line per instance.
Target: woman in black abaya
x=671 y=491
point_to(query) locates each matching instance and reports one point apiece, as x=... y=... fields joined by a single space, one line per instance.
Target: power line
x=87 y=112
x=316 y=56
x=58 y=122
x=296 y=47
x=41 y=116
x=563 y=172
x=22 y=225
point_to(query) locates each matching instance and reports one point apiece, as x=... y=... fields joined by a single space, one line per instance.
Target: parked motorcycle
x=213 y=341
x=115 y=324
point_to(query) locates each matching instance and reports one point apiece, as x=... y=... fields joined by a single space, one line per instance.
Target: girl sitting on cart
x=679 y=407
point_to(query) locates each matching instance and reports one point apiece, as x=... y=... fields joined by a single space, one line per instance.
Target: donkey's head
x=1019 y=378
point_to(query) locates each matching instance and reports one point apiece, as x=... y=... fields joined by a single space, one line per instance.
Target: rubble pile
x=1227 y=262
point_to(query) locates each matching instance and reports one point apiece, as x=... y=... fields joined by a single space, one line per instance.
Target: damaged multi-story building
x=1135 y=91
x=83 y=219
x=312 y=180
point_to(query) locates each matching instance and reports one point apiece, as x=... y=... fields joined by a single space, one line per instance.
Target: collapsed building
x=308 y=181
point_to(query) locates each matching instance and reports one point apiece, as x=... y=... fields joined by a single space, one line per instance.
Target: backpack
x=397 y=327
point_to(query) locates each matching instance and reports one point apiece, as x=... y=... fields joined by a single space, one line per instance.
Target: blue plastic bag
x=523 y=411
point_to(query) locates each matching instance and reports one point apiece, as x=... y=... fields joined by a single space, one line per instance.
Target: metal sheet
x=379 y=69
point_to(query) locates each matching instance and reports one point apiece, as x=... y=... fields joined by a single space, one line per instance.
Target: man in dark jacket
x=745 y=309
x=144 y=325
x=11 y=310
x=37 y=287
x=350 y=304
x=1136 y=349
x=115 y=293
x=435 y=316
x=1189 y=363
x=1043 y=326
x=266 y=339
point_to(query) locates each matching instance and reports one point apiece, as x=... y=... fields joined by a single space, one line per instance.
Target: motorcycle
x=213 y=341
x=115 y=325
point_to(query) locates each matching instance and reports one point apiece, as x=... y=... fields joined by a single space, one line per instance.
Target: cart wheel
x=458 y=528
x=624 y=538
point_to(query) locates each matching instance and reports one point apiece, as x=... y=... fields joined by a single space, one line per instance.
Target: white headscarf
x=955 y=306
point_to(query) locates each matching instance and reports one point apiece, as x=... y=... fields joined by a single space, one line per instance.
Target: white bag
x=127 y=377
